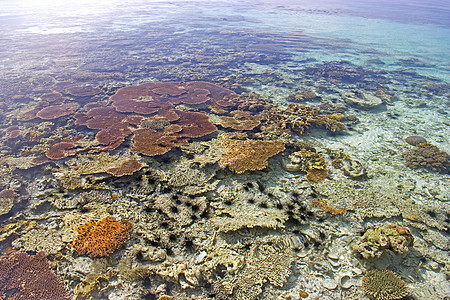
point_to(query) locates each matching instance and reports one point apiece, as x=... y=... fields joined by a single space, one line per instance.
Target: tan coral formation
x=384 y=285
x=300 y=119
x=244 y=155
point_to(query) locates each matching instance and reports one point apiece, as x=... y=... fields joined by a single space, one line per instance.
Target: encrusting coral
x=29 y=277
x=98 y=239
x=428 y=156
x=244 y=155
x=376 y=240
x=384 y=285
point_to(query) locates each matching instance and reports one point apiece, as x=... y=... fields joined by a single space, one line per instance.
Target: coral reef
x=303 y=95
x=61 y=150
x=6 y=200
x=384 y=285
x=353 y=169
x=114 y=126
x=300 y=119
x=378 y=239
x=244 y=155
x=97 y=239
x=309 y=162
x=428 y=156
x=78 y=89
x=29 y=277
x=151 y=97
x=269 y=260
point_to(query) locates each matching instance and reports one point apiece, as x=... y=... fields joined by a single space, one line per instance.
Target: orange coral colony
x=98 y=239
x=250 y=155
x=55 y=111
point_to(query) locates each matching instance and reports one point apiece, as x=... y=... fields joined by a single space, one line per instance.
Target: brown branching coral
x=29 y=277
x=251 y=155
x=300 y=119
x=384 y=285
x=428 y=156
x=98 y=239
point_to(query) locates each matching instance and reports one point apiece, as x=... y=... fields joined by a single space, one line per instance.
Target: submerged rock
x=362 y=99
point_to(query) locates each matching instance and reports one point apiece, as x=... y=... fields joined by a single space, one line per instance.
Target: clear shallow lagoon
x=338 y=85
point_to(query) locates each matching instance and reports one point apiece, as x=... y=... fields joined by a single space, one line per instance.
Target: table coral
x=384 y=285
x=98 y=239
x=61 y=150
x=150 y=97
x=114 y=126
x=55 y=111
x=29 y=277
x=378 y=239
x=250 y=155
x=428 y=156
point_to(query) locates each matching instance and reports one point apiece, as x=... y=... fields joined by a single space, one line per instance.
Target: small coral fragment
x=126 y=168
x=323 y=205
x=384 y=285
x=29 y=277
x=251 y=155
x=98 y=239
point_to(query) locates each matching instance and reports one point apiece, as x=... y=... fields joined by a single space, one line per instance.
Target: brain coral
x=251 y=155
x=97 y=239
x=429 y=157
x=384 y=285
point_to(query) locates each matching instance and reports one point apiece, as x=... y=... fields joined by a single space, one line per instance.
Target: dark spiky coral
x=98 y=239
x=29 y=277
